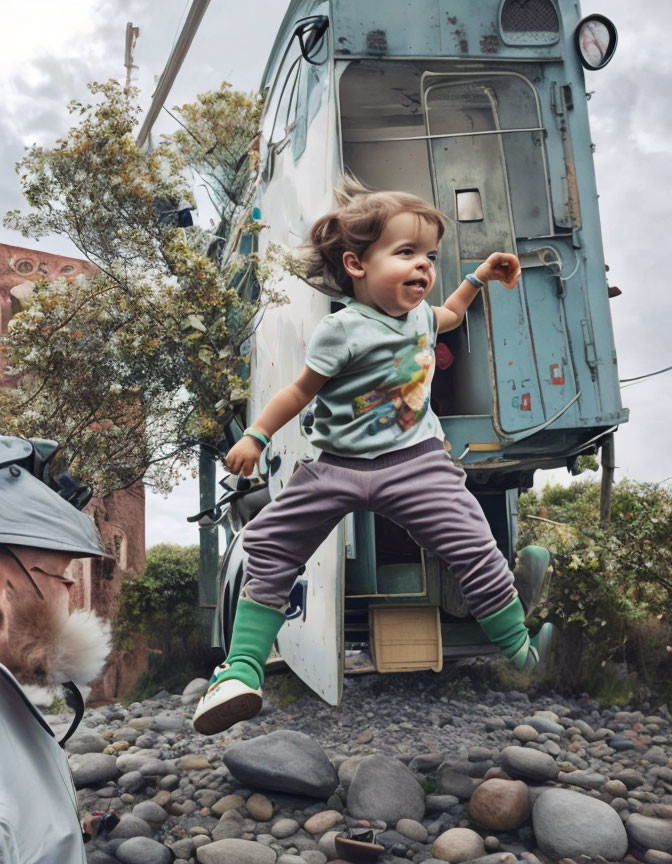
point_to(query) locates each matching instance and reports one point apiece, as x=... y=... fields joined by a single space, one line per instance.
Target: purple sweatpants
x=418 y=488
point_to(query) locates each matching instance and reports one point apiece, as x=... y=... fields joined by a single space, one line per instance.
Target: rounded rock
x=544 y=724
x=525 y=732
x=327 y=845
x=654 y=856
x=259 y=807
x=130 y=826
x=228 y=802
x=412 y=829
x=229 y=826
x=285 y=828
x=616 y=788
x=143 y=850
x=501 y=805
x=321 y=822
x=150 y=811
x=193 y=762
x=646 y=832
x=384 y=788
x=529 y=764
x=458 y=844
x=240 y=851
x=85 y=742
x=569 y=824
x=93 y=769
x=132 y=781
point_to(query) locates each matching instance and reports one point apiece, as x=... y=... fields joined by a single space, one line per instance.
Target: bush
x=162 y=604
x=611 y=593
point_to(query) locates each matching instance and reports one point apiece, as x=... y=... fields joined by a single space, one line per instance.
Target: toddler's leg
x=278 y=541
x=427 y=496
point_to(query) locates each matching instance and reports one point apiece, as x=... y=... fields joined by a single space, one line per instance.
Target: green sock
x=254 y=630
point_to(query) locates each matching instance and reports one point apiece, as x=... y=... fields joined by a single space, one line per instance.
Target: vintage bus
x=480 y=108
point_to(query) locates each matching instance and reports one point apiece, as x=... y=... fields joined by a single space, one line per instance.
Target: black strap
x=75 y=701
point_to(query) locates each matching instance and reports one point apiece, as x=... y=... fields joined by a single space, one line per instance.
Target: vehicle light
x=596 y=38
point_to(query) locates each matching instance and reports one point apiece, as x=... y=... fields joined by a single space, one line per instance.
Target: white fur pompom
x=81 y=649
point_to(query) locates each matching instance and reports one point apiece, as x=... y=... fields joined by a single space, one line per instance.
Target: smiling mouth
x=417 y=283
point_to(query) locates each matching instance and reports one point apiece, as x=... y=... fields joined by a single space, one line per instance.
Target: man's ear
x=352 y=265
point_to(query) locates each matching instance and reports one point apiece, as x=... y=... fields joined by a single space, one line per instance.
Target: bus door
x=488 y=164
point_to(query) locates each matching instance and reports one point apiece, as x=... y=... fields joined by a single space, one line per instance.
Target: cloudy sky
x=55 y=48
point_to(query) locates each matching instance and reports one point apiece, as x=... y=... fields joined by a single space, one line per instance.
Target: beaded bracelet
x=473 y=279
x=251 y=432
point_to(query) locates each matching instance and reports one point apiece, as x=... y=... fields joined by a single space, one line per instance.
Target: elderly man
x=40 y=643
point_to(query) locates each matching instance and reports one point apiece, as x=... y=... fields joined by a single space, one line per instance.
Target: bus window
x=383 y=127
x=485 y=121
x=279 y=99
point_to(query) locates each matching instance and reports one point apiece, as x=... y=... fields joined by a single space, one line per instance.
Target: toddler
x=369 y=368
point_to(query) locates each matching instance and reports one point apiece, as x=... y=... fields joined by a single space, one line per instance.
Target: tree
x=611 y=591
x=131 y=368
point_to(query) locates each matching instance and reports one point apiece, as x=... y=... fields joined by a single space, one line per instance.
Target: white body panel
x=297 y=194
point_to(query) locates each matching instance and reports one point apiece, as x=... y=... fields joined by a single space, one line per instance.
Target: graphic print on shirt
x=403 y=397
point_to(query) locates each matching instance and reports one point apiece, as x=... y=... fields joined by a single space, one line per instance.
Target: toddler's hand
x=500 y=266
x=244 y=455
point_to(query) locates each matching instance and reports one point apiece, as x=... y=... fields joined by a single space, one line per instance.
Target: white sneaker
x=225 y=704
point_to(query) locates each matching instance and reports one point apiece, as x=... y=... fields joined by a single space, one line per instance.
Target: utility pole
x=208 y=535
x=608 y=467
x=169 y=74
x=132 y=34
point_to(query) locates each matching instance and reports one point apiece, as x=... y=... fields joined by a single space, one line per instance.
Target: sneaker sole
x=226 y=714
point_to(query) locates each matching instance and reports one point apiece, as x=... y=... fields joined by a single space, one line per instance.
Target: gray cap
x=31 y=514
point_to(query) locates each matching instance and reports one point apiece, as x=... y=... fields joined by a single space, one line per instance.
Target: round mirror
x=596 y=39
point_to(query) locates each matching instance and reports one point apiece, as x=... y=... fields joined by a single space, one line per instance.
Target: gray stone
x=653 y=856
x=229 y=826
x=630 y=777
x=93 y=769
x=544 y=724
x=412 y=829
x=284 y=828
x=458 y=844
x=346 y=770
x=527 y=763
x=183 y=849
x=150 y=811
x=649 y=833
x=326 y=844
x=157 y=767
x=238 y=851
x=169 y=721
x=196 y=687
x=440 y=803
x=126 y=733
x=567 y=824
x=142 y=850
x=134 y=761
x=314 y=856
x=450 y=782
x=86 y=742
x=384 y=788
x=132 y=781
x=130 y=826
x=587 y=779
x=97 y=856
x=656 y=755
x=283 y=761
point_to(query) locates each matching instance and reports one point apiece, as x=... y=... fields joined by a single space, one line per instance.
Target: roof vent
x=529 y=22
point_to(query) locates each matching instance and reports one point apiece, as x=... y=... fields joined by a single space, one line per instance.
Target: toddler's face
x=398 y=270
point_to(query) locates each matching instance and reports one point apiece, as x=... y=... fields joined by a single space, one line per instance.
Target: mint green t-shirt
x=380 y=370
